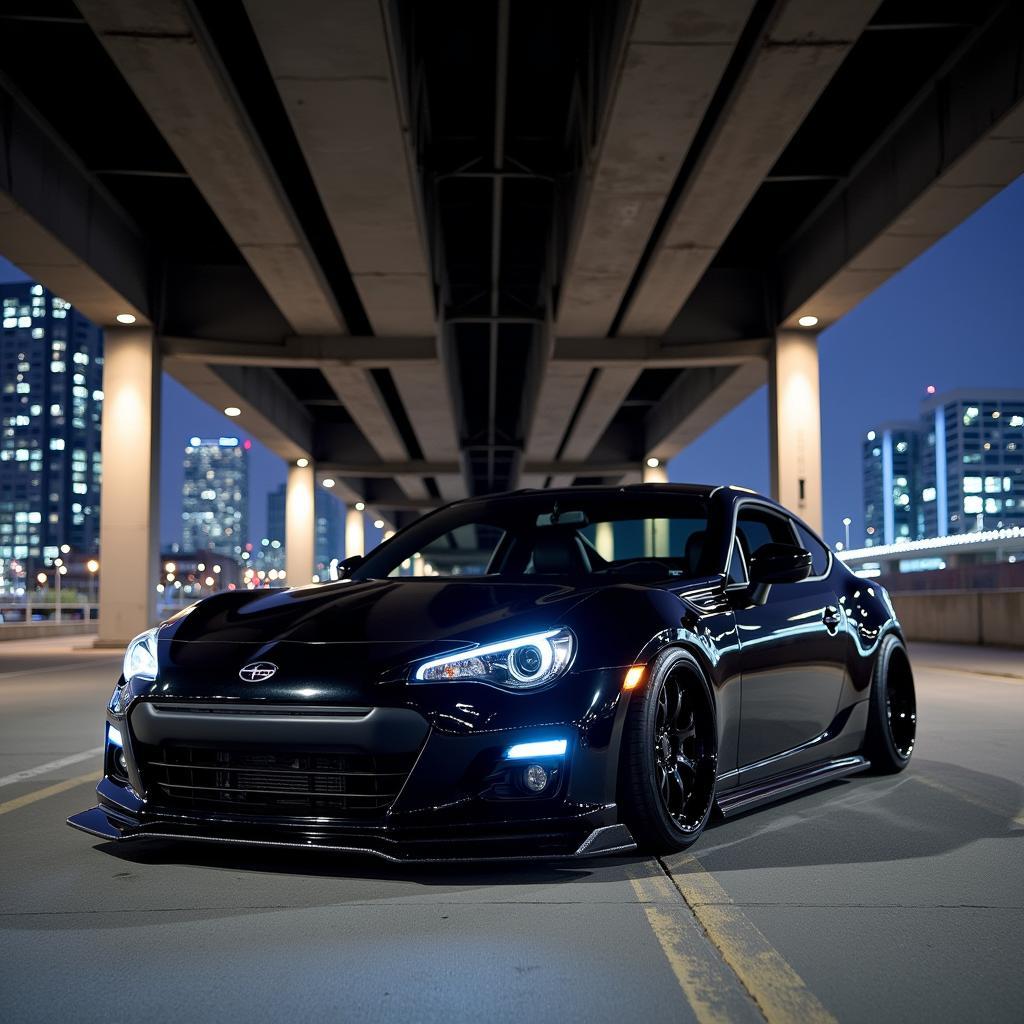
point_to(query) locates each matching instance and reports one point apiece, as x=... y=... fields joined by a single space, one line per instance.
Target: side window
x=819 y=553
x=737 y=568
x=756 y=526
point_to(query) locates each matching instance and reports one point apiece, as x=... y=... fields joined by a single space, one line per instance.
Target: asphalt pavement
x=896 y=898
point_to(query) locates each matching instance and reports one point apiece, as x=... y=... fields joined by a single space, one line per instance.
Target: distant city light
x=92 y=565
x=328 y=481
x=41 y=577
x=302 y=463
x=871 y=435
x=930 y=389
x=170 y=567
x=232 y=410
x=807 y=320
x=360 y=506
x=125 y=318
x=653 y=463
x=847 y=520
x=65 y=548
x=195 y=441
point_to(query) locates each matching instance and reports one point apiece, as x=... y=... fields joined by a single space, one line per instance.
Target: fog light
x=535 y=777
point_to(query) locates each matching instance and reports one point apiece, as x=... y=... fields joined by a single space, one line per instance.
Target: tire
x=668 y=759
x=892 y=713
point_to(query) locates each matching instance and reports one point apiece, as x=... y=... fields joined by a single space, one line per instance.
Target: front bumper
x=199 y=769
x=106 y=823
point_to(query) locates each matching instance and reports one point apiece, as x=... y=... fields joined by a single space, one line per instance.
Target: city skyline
x=935 y=323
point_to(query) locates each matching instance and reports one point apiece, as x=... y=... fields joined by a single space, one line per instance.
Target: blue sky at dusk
x=953 y=318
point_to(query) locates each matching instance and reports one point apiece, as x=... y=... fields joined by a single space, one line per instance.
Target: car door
x=792 y=647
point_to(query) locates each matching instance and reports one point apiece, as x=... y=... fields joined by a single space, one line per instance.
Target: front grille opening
x=292 y=784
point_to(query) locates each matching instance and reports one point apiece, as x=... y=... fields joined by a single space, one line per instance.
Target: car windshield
x=622 y=533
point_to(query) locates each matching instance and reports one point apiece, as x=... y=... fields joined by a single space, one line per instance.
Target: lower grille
x=293 y=784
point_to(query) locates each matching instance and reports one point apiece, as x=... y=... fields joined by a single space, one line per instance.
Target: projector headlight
x=140 y=658
x=521 y=664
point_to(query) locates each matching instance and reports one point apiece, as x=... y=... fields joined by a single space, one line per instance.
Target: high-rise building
x=329 y=515
x=330 y=532
x=51 y=401
x=973 y=460
x=215 y=497
x=891 y=492
x=959 y=469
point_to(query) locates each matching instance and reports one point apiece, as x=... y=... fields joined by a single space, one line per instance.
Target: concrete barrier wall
x=30 y=630
x=993 y=617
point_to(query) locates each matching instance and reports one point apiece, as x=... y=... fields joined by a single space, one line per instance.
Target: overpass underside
x=454 y=248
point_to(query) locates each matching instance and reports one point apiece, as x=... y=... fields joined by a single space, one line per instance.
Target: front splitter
x=104 y=824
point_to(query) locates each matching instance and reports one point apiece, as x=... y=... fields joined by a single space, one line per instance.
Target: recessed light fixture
x=378 y=524
x=125 y=318
x=360 y=506
x=808 y=321
x=232 y=410
x=653 y=463
x=302 y=463
x=328 y=481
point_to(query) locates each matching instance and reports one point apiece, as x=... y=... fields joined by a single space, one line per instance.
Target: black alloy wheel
x=669 y=755
x=892 y=712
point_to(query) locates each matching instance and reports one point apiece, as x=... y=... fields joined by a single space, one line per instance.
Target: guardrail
x=23 y=613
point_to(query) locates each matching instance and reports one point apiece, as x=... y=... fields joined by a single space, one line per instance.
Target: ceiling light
x=232 y=410
x=302 y=463
x=360 y=506
x=378 y=524
x=125 y=318
x=653 y=463
x=808 y=321
x=328 y=481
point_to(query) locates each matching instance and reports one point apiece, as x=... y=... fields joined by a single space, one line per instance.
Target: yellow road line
x=960 y=794
x=706 y=982
x=778 y=990
x=42 y=794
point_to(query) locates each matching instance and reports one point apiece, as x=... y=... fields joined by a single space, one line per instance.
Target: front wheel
x=892 y=711
x=669 y=755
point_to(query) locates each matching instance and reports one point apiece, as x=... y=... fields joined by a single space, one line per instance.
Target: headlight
x=521 y=664
x=140 y=657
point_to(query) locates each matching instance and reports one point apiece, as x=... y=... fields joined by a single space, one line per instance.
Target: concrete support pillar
x=131 y=479
x=656 y=543
x=794 y=421
x=604 y=541
x=654 y=474
x=299 y=525
x=355 y=533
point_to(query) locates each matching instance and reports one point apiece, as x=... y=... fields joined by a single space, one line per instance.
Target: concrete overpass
x=493 y=245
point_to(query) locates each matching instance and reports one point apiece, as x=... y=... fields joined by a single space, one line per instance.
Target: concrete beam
x=335 y=68
x=695 y=402
x=799 y=51
x=388 y=470
x=426 y=396
x=654 y=352
x=674 y=54
x=269 y=412
x=60 y=226
x=174 y=71
x=961 y=143
x=297 y=351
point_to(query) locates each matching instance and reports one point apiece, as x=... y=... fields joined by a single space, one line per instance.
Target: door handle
x=832 y=617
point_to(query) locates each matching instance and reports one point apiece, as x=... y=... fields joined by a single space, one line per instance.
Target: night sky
x=953 y=318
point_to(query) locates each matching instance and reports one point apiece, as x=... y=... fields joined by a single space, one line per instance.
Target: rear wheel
x=892 y=713
x=669 y=755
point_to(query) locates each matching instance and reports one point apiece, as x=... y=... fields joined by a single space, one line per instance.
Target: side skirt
x=764 y=791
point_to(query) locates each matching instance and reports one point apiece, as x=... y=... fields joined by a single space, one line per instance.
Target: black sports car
x=542 y=673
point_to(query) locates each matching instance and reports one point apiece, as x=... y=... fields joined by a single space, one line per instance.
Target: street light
x=846 y=522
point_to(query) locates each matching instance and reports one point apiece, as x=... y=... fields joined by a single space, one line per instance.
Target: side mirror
x=343 y=569
x=777 y=563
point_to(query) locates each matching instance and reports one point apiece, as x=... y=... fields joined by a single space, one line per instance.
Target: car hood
x=347 y=634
